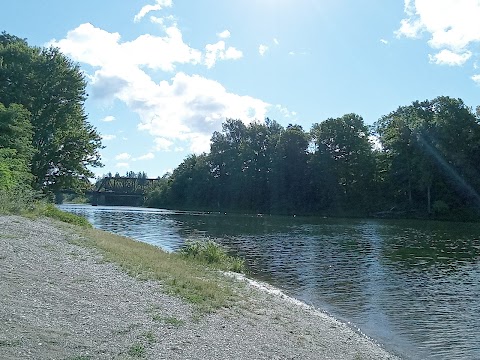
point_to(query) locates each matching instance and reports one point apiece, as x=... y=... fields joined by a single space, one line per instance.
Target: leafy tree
x=226 y=163
x=16 y=149
x=342 y=146
x=52 y=88
x=434 y=148
x=289 y=170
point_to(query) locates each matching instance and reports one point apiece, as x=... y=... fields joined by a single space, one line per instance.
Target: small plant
x=211 y=253
x=150 y=337
x=137 y=350
x=169 y=320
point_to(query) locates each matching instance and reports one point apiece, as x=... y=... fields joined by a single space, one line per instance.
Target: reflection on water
x=413 y=286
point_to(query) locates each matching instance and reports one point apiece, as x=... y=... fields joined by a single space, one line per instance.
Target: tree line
x=46 y=142
x=421 y=159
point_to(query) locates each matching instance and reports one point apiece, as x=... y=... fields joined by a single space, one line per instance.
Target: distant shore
x=64 y=301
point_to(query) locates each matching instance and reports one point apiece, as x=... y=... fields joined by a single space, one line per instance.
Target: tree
x=52 y=88
x=16 y=150
x=342 y=146
x=289 y=170
x=434 y=149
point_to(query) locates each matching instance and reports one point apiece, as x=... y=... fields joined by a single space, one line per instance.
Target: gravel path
x=62 y=301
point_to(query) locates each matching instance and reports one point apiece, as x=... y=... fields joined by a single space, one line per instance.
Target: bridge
x=121 y=191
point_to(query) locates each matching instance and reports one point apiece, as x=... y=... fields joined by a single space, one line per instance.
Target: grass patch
x=213 y=254
x=150 y=337
x=51 y=211
x=169 y=320
x=205 y=287
x=137 y=350
x=30 y=203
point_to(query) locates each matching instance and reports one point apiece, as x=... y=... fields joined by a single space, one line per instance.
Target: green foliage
x=427 y=152
x=52 y=89
x=51 y=211
x=17 y=200
x=343 y=144
x=213 y=254
x=16 y=148
x=433 y=150
x=439 y=207
x=137 y=350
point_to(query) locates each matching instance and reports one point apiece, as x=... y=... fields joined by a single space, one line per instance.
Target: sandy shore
x=62 y=301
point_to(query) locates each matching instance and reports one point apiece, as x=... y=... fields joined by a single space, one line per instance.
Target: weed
x=213 y=254
x=137 y=350
x=150 y=337
x=169 y=320
x=80 y=357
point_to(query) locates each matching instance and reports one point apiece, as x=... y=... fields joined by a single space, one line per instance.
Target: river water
x=413 y=286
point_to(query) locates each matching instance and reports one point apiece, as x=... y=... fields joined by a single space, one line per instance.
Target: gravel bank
x=62 y=301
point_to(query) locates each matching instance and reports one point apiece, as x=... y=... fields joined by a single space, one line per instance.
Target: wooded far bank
x=419 y=160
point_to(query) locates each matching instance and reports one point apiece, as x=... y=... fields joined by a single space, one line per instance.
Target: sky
x=164 y=74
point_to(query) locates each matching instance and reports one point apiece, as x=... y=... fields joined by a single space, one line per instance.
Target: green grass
x=32 y=204
x=137 y=350
x=193 y=281
x=169 y=320
x=213 y=254
x=51 y=211
x=150 y=337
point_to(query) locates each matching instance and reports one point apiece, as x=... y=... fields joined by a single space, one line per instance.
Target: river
x=413 y=286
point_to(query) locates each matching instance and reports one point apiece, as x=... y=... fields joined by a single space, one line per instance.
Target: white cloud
x=453 y=27
x=108 y=118
x=159 y=5
x=162 y=144
x=262 y=49
x=383 y=41
x=122 y=165
x=224 y=34
x=186 y=108
x=476 y=78
x=99 y=48
x=108 y=137
x=283 y=110
x=192 y=107
x=275 y=41
x=214 y=52
x=148 y=156
x=447 y=57
x=123 y=156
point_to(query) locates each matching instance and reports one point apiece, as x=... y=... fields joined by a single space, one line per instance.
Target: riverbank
x=62 y=300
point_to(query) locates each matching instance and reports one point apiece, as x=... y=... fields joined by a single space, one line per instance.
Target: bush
x=213 y=254
x=440 y=207
x=51 y=211
x=17 y=200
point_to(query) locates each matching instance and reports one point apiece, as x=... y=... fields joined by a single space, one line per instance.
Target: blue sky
x=164 y=74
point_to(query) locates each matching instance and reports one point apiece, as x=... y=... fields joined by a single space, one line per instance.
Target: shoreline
x=64 y=301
